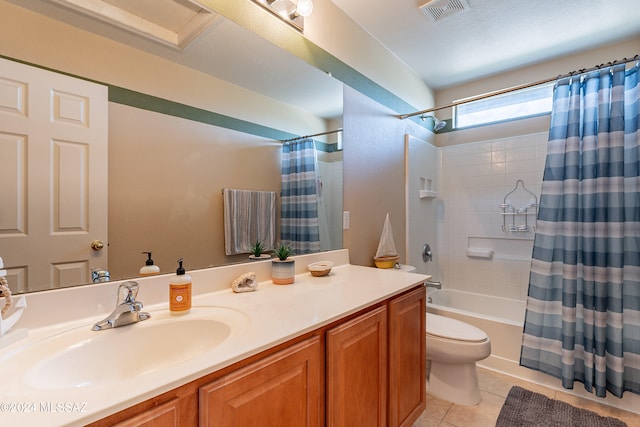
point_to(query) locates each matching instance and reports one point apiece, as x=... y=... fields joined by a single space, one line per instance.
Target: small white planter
x=283 y=272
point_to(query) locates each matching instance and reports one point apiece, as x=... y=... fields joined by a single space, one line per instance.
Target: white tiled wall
x=474 y=179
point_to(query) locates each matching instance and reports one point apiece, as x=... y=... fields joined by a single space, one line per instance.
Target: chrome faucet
x=127 y=309
x=100 y=275
x=433 y=284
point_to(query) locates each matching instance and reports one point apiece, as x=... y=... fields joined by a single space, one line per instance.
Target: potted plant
x=283 y=269
x=258 y=252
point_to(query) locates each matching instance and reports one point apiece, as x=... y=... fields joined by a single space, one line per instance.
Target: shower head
x=437 y=123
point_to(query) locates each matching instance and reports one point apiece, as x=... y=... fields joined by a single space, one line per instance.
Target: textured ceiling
x=493 y=36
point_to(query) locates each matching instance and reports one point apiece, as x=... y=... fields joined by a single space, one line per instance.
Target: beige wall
x=374 y=175
x=166 y=176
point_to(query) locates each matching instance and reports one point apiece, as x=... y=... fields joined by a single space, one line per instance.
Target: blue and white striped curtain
x=583 y=310
x=299 y=225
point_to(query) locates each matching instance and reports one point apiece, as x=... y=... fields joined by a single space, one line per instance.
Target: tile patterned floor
x=494 y=388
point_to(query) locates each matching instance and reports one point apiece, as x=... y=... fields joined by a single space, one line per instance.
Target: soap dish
x=320 y=268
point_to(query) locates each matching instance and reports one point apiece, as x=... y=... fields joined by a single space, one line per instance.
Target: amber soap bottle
x=180 y=291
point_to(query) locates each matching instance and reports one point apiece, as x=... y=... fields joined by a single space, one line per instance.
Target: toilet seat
x=448 y=328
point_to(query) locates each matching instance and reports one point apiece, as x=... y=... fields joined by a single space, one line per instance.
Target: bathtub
x=502 y=319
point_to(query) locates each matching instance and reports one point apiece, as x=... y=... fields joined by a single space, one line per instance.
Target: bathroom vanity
x=346 y=349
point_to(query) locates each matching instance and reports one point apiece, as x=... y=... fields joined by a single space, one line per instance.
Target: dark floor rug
x=524 y=408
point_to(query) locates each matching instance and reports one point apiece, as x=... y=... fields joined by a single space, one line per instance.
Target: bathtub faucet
x=433 y=284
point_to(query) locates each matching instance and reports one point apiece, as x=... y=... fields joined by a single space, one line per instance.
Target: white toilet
x=453 y=347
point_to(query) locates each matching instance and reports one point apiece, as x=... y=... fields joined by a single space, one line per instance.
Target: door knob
x=96 y=245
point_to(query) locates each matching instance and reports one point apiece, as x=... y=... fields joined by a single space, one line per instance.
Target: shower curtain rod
x=520 y=87
x=309 y=136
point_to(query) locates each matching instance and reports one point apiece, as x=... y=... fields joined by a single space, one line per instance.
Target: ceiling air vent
x=437 y=10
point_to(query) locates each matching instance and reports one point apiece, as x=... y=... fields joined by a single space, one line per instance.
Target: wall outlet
x=346 y=220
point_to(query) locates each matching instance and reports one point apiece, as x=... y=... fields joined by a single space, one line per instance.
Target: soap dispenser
x=180 y=291
x=149 y=269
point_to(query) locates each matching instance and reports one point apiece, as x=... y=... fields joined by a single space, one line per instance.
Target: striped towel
x=248 y=216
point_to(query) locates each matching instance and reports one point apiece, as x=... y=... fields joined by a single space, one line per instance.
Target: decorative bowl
x=320 y=268
x=386 y=261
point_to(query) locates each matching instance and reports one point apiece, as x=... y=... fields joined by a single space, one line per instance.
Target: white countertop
x=275 y=313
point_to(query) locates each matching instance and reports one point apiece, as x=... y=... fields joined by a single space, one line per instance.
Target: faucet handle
x=127 y=292
x=426 y=253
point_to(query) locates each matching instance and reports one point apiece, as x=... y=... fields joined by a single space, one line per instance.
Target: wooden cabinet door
x=284 y=389
x=356 y=377
x=165 y=415
x=407 y=358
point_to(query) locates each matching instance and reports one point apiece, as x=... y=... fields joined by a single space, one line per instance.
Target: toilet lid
x=446 y=327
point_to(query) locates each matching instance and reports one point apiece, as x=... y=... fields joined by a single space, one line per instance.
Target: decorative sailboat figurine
x=386 y=255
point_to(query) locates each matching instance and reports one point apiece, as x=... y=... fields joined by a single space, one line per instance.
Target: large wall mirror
x=168 y=162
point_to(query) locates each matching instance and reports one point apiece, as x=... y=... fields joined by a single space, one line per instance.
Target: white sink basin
x=81 y=357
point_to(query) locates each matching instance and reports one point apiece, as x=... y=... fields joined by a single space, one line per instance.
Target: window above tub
x=529 y=102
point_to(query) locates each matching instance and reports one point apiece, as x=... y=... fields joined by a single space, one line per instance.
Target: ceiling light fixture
x=304 y=7
x=292 y=12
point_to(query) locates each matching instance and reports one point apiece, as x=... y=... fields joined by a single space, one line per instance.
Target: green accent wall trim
x=152 y=103
x=349 y=76
x=143 y=101
x=164 y=106
x=319 y=58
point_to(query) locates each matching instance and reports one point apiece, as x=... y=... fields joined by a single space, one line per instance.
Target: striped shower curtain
x=299 y=224
x=583 y=309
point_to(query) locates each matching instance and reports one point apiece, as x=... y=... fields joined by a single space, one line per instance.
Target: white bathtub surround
x=453 y=348
x=502 y=319
x=474 y=179
x=275 y=314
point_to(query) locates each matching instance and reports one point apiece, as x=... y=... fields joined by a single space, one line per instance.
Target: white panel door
x=53 y=177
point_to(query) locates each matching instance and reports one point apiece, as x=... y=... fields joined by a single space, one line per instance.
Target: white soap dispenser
x=180 y=291
x=149 y=268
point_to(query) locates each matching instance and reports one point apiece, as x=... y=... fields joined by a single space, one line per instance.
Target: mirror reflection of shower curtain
x=299 y=197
